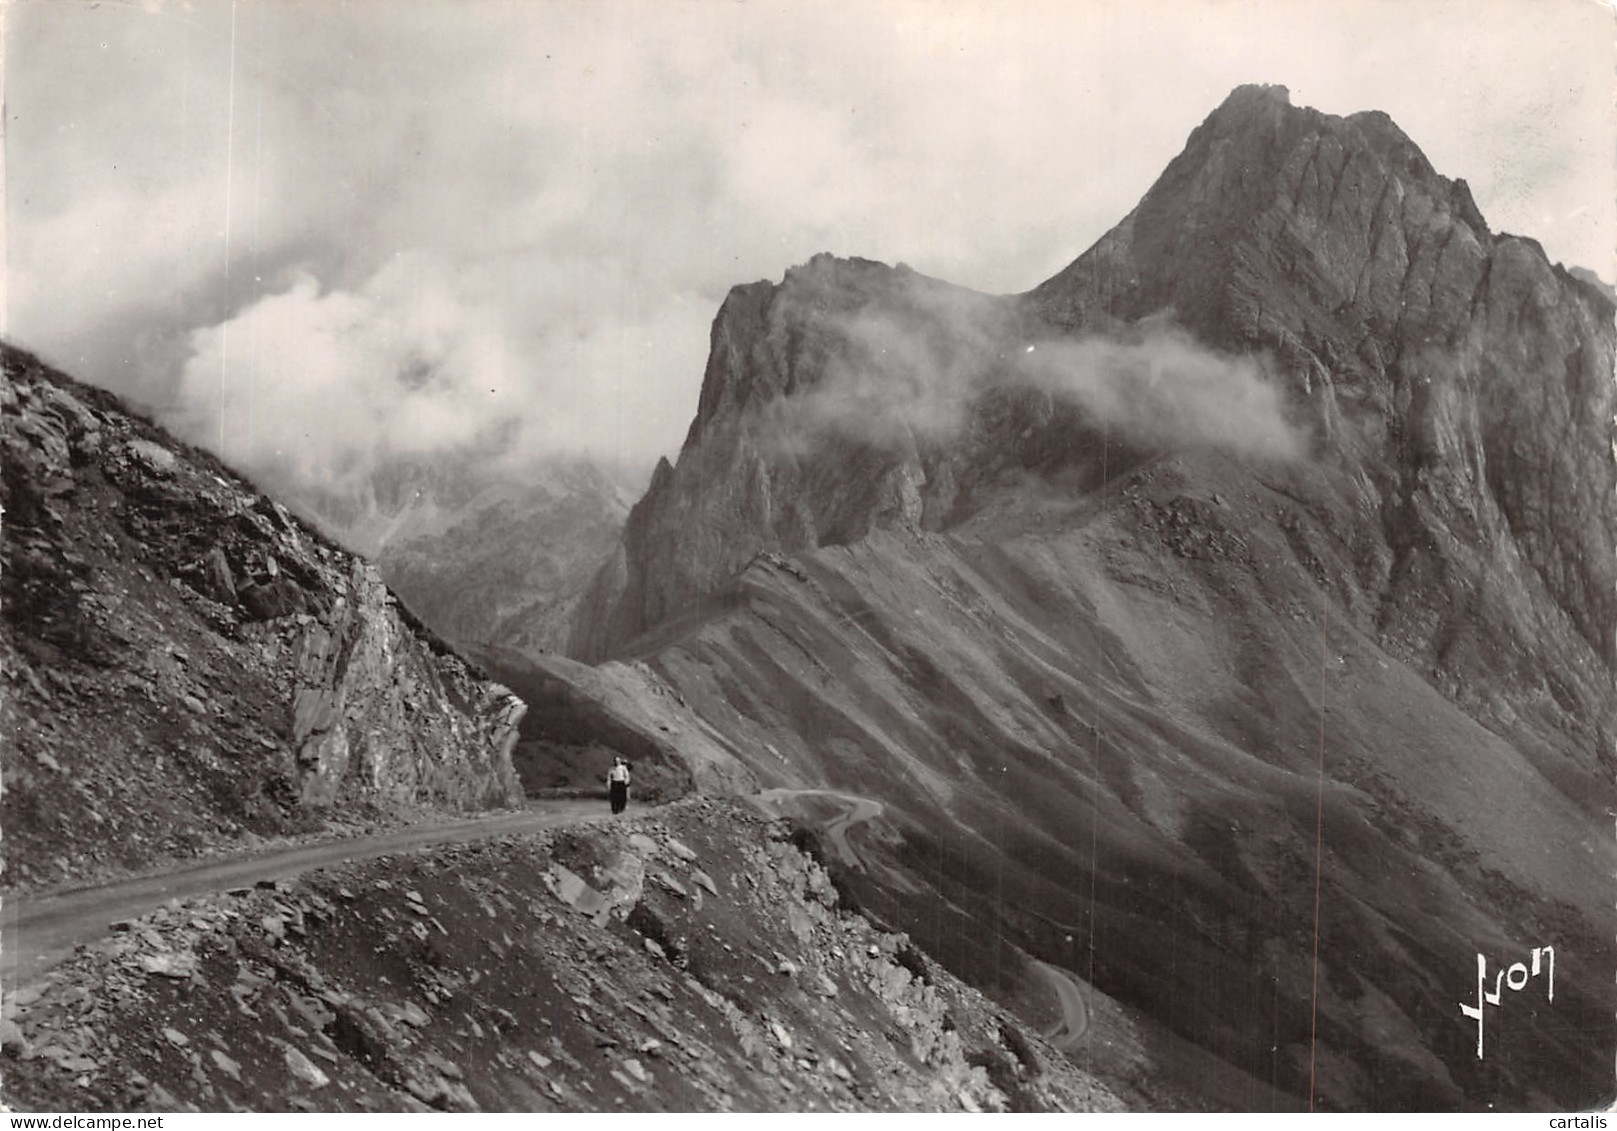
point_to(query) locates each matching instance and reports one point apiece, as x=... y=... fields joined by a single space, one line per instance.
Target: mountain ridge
x=1398 y=408
x=485 y=550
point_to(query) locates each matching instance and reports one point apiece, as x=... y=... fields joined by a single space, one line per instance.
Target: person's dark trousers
x=620 y=796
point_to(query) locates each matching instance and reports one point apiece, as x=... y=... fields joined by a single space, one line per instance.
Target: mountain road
x=1074 y=1021
x=37 y=931
x=859 y=810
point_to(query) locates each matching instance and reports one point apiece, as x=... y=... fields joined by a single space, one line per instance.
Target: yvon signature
x=1516 y=976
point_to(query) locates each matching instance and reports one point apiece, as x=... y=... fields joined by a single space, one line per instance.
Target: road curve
x=860 y=809
x=1069 y=991
x=36 y=932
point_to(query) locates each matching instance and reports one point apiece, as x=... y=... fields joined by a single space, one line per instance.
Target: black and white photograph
x=808 y=556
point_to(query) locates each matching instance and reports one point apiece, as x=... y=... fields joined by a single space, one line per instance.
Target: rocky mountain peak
x=1251 y=109
x=1285 y=516
x=1415 y=337
x=1258 y=167
x=752 y=358
x=795 y=431
x=1444 y=363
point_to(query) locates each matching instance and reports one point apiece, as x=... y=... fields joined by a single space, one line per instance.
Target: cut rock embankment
x=188 y=668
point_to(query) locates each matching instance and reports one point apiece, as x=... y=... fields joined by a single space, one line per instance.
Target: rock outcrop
x=1467 y=379
x=187 y=665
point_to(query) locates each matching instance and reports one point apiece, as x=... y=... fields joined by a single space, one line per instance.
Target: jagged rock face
x=483 y=552
x=186 y=664
x=359 y=676
x=733 y=495
x=1128 y=678
x=1457 y=383
x=1468 y=379
x=753 y=478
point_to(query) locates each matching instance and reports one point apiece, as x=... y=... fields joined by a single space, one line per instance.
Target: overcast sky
x=319 y=231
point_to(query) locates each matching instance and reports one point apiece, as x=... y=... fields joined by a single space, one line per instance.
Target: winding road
x=1069 y=991
x=37 y=931
x=860 y=809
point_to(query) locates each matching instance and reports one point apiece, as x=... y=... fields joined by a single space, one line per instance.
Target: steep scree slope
x=1139 y=692
x=186 y=665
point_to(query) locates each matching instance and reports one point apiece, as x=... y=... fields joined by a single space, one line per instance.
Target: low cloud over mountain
x=916 y=367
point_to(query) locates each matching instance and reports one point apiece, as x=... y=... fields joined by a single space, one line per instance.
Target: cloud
x=580 y=183
x=912 y=370
x=1164 y=390
x=318 y=388
x=898 y=372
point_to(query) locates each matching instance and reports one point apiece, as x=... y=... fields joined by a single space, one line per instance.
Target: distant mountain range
x=484 y=551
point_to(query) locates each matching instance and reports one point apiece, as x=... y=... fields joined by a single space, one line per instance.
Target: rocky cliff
x=777 y=458
x=188 y=666
x=1463 y=376
x=1230 y=618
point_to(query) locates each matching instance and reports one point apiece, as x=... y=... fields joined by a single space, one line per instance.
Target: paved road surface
x=1069 y=992
x=36 y=932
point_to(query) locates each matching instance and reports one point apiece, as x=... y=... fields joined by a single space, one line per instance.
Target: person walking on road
x=617 y=784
